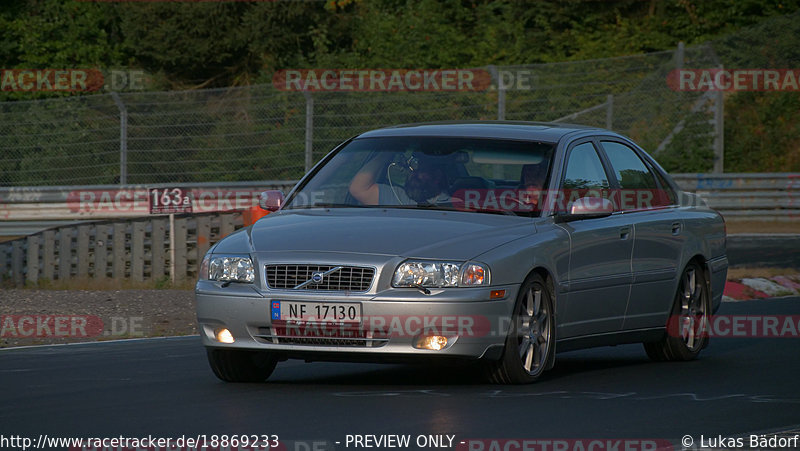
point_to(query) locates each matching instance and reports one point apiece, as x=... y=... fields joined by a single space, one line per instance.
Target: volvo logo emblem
x=317 y=277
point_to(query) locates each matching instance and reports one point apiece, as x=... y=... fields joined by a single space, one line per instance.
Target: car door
x=649 y=203
x=600 y=252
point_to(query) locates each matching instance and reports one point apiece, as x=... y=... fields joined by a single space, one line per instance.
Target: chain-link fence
x=262 y=133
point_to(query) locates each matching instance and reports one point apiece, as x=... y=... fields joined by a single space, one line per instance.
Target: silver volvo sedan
x=498 y=242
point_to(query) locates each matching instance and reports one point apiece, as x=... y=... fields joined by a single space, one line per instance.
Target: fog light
x=432 y=342
x=224 y=336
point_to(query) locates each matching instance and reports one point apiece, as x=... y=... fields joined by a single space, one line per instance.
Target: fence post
x=180 y=249
x=679 y=55
x=137 y=251
x=610 y=111
x=82 y=269
x=101 y=251
x=719 y=131
x=157 y=235
x=17 y=262
x=64 y=253
x=309 y=130
x=501 y=93
x=123 y=139
x=173 y=276
x=48 y=255
x=32 y=274
x=3 y=262
x=226 y=225
x=203 y=236
x=118 y=254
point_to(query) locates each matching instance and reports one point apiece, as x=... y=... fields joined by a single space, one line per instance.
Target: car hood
x=392 y=232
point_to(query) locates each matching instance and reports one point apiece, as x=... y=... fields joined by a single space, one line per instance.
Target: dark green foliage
x=186 y=46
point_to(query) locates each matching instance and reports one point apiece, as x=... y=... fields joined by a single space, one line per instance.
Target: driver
x=425 y=184
x=531 y=183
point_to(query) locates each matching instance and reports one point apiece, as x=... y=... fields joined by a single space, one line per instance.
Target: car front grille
x=352 y=338
x=333 y=278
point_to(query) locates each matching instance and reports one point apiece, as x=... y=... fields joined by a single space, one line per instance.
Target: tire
x=530 y=345
x=686 y=332
x=233 y=365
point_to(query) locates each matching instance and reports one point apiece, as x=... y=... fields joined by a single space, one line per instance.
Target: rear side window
x=584 y=169
x=630 y=170
x=639 y=189
x=665 y=186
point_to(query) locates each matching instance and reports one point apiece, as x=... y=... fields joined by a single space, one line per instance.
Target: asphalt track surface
x=165 y=388
x=780 y=250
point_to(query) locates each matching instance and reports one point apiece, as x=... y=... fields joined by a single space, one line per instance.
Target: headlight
x=431 y=274
x=227 y=268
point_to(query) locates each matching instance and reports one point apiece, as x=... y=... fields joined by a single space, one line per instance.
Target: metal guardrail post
x=123 y=139
x=309 y=130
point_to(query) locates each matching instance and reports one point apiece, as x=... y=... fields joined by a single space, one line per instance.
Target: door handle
x=676 y=228
x=624 y=233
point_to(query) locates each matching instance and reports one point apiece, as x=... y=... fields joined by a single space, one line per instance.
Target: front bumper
x=392 y=320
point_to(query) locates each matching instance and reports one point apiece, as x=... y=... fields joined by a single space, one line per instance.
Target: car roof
x=537 y=131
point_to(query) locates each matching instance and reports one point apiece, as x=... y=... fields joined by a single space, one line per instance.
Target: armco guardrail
x=771 y=196
x=49 y=203
x=27 y=210
x=135 y=249
x=135 y=245
x=763 y=196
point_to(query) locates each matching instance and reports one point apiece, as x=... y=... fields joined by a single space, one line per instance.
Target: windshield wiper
x=430 y=206
x=424 y=206
x=490 y=211
x=327 y=205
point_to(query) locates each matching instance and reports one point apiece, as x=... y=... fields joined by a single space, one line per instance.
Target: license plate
x=316 y=312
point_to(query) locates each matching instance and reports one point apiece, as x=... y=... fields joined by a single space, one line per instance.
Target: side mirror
x=588 y=207
x=271 y=200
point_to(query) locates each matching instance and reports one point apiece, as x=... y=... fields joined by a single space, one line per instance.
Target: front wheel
x=686 y=333
x=529 y=347
x=235 y=365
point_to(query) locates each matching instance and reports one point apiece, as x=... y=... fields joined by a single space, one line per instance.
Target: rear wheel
x=529 y=348
x=686 y=333
x=234 y=365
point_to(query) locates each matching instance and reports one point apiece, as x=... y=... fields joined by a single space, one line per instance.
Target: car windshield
x=466 y=174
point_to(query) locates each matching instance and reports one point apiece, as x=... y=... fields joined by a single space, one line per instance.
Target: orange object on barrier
x=253 y=214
